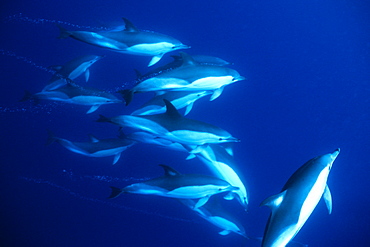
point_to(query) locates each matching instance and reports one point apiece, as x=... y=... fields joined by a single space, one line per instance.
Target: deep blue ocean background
x=307 y=93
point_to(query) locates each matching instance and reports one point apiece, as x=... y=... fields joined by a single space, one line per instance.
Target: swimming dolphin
x=71 y=70
x=214 y=213
x=74 y=94
x=95 y=148
x=130 y=41
x=190 y=76
x=174 y=127
x=222 y=164
x=177 y=62
x=180 y=99
x=176 y=185
x=298 y=198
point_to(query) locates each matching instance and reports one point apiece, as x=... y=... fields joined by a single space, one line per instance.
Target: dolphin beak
x=182 y=46
x=239 y=78
x=335 y=154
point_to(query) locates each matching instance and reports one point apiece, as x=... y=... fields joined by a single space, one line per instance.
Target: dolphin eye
x=219 y=189
x=220 y=139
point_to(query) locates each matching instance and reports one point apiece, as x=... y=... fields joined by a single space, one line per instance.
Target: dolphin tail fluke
x=103 y=119
x=127 y=95
x=27 y=96
x=115 y=192
x=64 y=33
x=51 y=137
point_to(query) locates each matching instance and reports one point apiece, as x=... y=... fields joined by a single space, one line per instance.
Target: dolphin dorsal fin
x=93 y=138
x=187 y=59
x=169 y=171
x=274 y=201
x=171 y=111
x=129 y=27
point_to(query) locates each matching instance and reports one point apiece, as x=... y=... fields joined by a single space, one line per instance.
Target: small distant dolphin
x=190 y=76
x=298 y=198
x=74 y=94
x=71 y=70
x=174 y=127
x=95 y=148
x=222 y=164
x=130 y=40
x=180 y=186
x=180 y=99
x=214 y=213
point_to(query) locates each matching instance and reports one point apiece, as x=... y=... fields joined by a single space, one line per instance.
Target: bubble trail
x=20 y=17
x=114 y=205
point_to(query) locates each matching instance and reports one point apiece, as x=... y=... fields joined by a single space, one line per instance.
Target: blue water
x=307 y=93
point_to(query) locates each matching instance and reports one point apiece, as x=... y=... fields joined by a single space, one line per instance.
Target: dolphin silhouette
x=71 y=70
x=172 y=126
x=74 y=94
x=291 y=208
x=130 y=40
x=95 y=148
x=180 y=186
x=190 y=76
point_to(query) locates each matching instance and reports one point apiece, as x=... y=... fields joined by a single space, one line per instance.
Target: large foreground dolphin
x=172 y=126
x=96 y=147
x=298 y=198
x=130 y=40
x=71 y=70
x=190 y=76
x=180 y=186
x=74 y=94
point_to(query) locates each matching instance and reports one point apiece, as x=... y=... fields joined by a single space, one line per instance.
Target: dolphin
x=180 y=99
x=95 y=148
x=130 y=40
x=74 y=94
x=214 y=213
x=71 y=70
x=300 y=195
x=190 y=76
x=180 y=186
x=178 y=61
x=172 y=126
x=222 y=164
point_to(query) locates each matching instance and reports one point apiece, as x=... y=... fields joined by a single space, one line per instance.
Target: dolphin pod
x=177 y=86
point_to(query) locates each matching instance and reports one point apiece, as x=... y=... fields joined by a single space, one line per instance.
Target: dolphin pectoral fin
x=93 y=138
x=274 y=201
x=198 y=149
x=327 y=199
x=188 y=109
x=201 y=202
x=216 y=93
x=93 y=108
x=116 y=158
x=229 y=196
x=224 y=232
x=115 y=192
x=191 y=156
x=87 y=75
x=155 y=60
